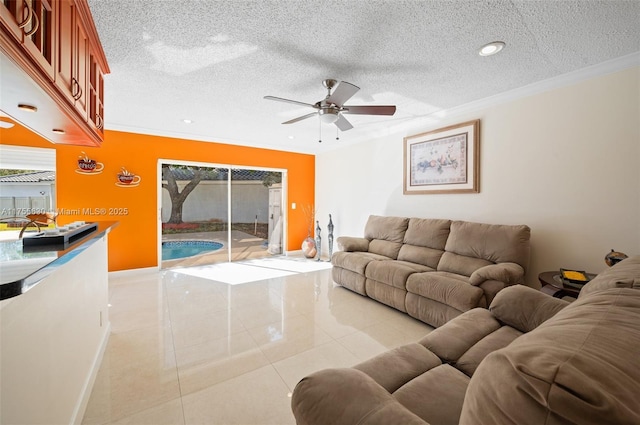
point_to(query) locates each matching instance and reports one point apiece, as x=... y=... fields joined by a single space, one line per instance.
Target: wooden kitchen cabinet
x=32 y=23
x=14 y=15
x=56 y=44
x=72 y=52
x=96 y=95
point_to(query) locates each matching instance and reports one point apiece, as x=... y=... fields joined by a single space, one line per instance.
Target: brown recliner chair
x=529 y=359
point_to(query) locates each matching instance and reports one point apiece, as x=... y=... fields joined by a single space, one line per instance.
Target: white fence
x=20 y=206
x=209 y=201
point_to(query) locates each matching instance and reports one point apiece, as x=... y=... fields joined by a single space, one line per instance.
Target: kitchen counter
x=54 y=325
x=22 y=268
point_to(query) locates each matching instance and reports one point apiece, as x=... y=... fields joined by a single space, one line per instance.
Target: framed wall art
x=446 y=160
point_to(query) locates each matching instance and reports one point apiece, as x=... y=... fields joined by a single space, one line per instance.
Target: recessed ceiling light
x=58 y=131
x=6 y=124
x=491 y=48
x=291 y=137
x=28 y=108
x=187 y=121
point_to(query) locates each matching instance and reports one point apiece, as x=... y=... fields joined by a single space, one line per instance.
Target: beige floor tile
x=374 y=340
x=269 y=311
x=286 y=338
x=331 y=354
x=229 y=354
x=259 y=397
x=203 y=365
x=189 y=305
x=169 y=413
x=201 y=328
x=121 y=391
x=143 y=317
x=340 y=320
x=152 y=344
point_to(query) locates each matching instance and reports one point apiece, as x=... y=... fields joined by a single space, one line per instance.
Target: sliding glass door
x=212 y=214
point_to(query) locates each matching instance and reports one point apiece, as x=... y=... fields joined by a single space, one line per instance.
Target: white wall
x=566 y=162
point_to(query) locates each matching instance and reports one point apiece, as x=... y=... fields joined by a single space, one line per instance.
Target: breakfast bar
x=54 y=325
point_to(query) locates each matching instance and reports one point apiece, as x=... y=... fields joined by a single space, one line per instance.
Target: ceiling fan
x=331 y=108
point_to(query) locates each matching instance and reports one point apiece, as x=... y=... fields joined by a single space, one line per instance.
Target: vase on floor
x=309 y=247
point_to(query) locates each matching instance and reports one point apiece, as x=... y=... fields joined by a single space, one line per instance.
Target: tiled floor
x=191 y=350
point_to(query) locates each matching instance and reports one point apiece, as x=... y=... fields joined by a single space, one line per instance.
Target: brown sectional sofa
x=528 y=359
x=432 y=269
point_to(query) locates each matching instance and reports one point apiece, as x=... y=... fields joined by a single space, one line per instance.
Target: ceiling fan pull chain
x=320 y=131
x=337 y=133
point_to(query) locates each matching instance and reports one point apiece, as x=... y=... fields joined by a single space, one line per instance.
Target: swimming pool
x=181 y=249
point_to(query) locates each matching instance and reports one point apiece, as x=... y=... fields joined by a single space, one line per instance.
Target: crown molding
x=609 y=67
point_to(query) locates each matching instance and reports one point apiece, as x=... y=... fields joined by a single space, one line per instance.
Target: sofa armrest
x=524 y=308
x=349 y=243
x=509 y=273
x=347 y=396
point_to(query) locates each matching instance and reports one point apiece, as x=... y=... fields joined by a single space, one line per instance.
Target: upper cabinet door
x=32 y=23
x=96 y=95
x=39 y=34
x=14 y=16
x=71 y=63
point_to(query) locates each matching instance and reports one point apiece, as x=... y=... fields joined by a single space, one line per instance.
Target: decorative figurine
x=330 y=229
x=318 y=240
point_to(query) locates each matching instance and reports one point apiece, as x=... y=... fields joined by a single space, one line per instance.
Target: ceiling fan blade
x=295 y=102
x=304 y=117
x=370 y=110
x=343 y=124
x=342 y=93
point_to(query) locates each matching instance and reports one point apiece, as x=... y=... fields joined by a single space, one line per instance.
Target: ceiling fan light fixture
x=328 y=116
x=491 y=48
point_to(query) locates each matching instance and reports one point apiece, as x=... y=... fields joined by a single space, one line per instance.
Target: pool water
x=182 y=249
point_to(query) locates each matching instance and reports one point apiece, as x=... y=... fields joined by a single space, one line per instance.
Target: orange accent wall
x=134 y=243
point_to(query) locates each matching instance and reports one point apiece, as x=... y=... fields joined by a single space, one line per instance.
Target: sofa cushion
x=394 y=368
x=451 y=340
x=447 y=288
x=386 y=234
x=347 y=396
x=428 y=398
x=460 y=264
x=390 y=229
x=469 y=361
x=495 y=243
x=394 y=273
x=424 y=241
x=355 y=261
x=580 y=366
x=385 y=248
x=625 y=274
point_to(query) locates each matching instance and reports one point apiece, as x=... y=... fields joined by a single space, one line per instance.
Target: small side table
x=552 y=285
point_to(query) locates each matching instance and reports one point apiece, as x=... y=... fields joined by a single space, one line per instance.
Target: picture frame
x=446 y=160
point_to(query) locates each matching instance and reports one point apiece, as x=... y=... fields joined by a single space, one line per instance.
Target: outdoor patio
x=244 y=246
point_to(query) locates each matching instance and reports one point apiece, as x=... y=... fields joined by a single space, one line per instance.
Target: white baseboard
x=133 y=272
x=81 y=406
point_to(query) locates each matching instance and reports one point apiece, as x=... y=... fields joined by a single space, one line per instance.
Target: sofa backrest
x=579 y=366
x=424 y=241
x=474 y=245
x=385 y=234
x=625 y=274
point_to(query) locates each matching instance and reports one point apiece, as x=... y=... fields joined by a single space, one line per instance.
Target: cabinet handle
x=75 y=88
x=29 y=15
x=76 y=95
x=99 y=122
x=35 y=26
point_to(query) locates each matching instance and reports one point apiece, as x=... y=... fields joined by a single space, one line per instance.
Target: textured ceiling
x=214 y=61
